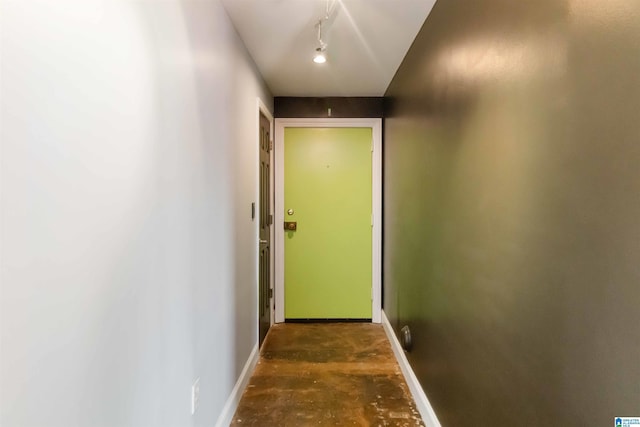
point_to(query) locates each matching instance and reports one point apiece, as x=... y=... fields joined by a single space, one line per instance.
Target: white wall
x=129 y=156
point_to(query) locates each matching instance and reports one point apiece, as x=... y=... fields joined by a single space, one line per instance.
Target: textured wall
x=512 y=210
x=129 y=163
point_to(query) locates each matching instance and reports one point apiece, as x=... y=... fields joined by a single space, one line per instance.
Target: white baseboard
x=234 y=398
x=422 y=403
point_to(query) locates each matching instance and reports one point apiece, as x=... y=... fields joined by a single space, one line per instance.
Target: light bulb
x=319 y=58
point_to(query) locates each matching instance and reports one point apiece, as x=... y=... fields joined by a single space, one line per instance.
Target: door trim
x=376 y=193
x=262 y=108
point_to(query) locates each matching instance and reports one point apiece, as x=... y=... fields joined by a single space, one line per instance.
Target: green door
x=327 y=193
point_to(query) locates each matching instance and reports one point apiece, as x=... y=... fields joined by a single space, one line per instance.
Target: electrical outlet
x=195 y=396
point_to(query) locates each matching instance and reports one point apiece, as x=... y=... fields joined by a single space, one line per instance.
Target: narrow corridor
x=335 y=374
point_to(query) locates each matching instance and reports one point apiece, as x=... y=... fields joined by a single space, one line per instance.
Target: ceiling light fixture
x=320 y=55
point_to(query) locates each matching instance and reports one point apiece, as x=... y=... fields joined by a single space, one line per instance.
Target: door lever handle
x=263 y=242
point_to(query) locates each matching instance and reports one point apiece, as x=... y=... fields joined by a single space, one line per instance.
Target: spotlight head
x=319 y=58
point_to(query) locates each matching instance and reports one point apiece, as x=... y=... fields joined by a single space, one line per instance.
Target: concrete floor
x=327 y=374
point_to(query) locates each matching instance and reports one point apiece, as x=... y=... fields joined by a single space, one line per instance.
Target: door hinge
x=270 y=292
x=270 y=221
x=271 y=145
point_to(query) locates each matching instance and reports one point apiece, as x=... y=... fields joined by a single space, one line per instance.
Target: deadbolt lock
x=291 y=226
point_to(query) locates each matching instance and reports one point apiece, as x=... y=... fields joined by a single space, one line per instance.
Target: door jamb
x=262 y=108
x=376 y=193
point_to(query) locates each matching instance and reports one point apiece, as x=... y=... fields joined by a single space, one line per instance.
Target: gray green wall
x=333 y=106
x=512 y=210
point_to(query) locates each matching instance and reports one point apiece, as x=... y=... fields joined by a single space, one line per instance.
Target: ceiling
x=367 y=40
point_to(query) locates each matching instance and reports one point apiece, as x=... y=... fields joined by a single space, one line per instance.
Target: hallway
x=131 y=158
x=327 y=375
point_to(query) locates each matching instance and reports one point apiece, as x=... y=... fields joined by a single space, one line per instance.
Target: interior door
x=266 y=219
x=328 y=234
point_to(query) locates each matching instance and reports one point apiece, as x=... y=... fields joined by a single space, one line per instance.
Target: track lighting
x=320 y=57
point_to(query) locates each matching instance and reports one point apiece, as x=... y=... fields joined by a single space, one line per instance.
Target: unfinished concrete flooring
x=327 y=374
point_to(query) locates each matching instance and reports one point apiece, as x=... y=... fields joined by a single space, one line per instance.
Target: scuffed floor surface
x=331 y=374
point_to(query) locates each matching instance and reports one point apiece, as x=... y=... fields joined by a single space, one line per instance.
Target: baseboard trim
x=234 y=398
x=422 y=403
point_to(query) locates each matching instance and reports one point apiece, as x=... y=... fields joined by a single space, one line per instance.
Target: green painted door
x=327 y=193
